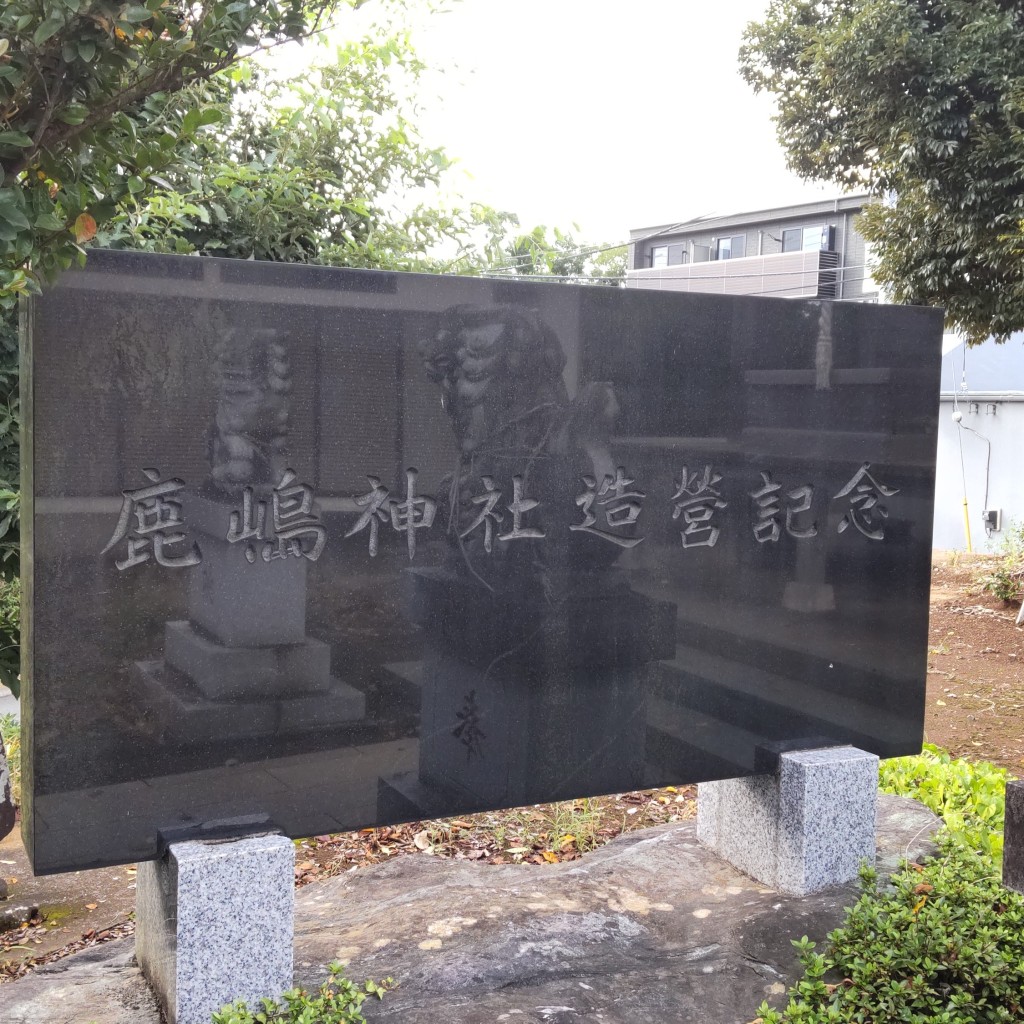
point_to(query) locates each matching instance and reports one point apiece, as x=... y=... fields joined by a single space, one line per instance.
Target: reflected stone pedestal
x=1013 y=837
x=242 y=664
x=514 y=711
x=802 y=829
x=215 y=922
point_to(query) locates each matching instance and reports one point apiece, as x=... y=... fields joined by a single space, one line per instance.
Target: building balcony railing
x=814 y=274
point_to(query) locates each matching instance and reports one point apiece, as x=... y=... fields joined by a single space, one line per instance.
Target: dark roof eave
x=776 y=213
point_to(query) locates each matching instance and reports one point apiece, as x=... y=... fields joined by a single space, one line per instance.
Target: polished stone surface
x=472 y=543
x=806 y=827
x=215 y=922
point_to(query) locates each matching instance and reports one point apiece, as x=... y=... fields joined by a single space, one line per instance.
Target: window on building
x=816 y=239
x=677 y=255
x=792 y=239
x=732 y=248
x=659 y=256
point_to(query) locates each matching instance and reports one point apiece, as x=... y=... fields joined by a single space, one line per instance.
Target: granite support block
x=804 y=828
x=215 y=923
x=1013 y=837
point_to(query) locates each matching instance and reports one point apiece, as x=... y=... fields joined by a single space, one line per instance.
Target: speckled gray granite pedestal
x=215 y=923
x=801 y=830
x=1013 y=837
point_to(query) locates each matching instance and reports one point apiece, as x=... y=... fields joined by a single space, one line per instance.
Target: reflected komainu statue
x=537 y=650
x=249 y=434
x=525 y=448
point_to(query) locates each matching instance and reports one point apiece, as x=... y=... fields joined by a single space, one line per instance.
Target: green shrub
x=1006 y=580
x=942 y=945
x=10 y=732
x=337 y=1001
x=967 y=795
x=944 y=942
x=10 y=631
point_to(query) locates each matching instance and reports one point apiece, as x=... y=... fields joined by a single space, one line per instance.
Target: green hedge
x=943 y=942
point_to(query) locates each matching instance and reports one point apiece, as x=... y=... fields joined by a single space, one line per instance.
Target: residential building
x=814 y=250
x=981 y=423
x=810 y=250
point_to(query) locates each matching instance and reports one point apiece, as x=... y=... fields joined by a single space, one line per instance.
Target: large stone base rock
x=650 y=927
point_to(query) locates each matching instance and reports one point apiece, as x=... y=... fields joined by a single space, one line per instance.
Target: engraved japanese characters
x=339 y=548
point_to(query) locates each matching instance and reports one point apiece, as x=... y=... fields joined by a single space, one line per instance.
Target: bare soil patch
x=975 y=703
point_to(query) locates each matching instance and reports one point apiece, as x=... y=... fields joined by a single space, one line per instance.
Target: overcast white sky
x=608 y=113
x=611 y=114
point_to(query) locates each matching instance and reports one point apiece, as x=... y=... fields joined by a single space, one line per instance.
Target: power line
x=839 y=272
x=586 y=250
x=568 y=279
x=593 y=250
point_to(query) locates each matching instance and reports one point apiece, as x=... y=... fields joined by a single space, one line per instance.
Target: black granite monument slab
x=312 y=550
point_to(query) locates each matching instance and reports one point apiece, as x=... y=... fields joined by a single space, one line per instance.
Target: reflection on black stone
x=359 y=553
x=528 y=613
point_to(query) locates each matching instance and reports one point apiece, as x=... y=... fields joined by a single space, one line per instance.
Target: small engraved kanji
x=297 y=532
x=486 y=517
x=519 y=506
x=766 y=498
x=865 y=513
x=373 y=512
x=766 y=525
x=468 y=731
x=412 y=514
x=696 y=501
x=802 y=497
x=620 y=507
x=248 y=525
x=158 y=526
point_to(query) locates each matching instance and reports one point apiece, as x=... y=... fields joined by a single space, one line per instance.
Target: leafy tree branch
x=922 y=103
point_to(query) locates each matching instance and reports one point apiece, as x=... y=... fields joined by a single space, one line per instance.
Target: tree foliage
x=326 y=168
x=533 y=253
x=97 y=98
x=922 y=103
x=329 y=167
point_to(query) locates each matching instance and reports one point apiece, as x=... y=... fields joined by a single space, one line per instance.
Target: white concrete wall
x=1005 y=431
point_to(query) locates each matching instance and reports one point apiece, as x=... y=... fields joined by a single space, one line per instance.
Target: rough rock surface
x=650 y=927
